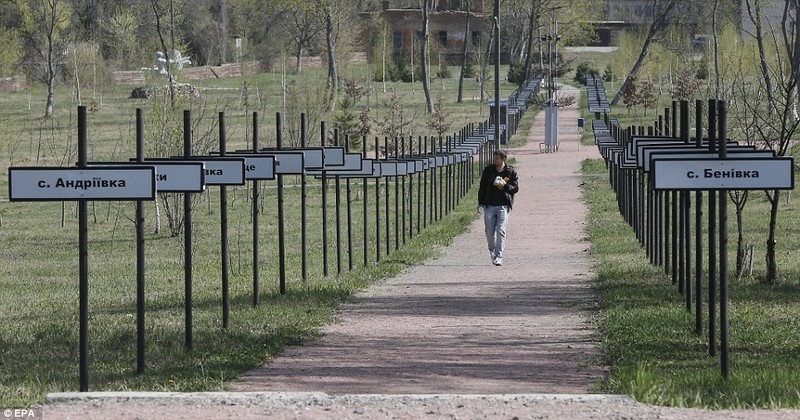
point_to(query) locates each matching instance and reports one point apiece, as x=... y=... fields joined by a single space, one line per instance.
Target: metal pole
x=712 y=237
x=723 y=249
x=365 y=189
x=397 y=202
x=348 y=197
x=698 y=226
x=687 y=214
x=303 y=203
x=281 y=218
x=140 y=265
x=377 y=207
x=187 y=235
x=324 y=192
x=83 y=264
x=223 y=215
x=256 y=256
x=338 y=201
x=496 y=73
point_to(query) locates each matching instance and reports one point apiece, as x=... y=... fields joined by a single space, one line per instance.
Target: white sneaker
x=491 y=256
x=498 y=261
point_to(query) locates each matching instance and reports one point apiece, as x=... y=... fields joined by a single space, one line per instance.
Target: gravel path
x=454 y=338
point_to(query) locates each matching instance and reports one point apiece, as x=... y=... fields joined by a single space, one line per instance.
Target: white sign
x=334 y=156
x=223 y=170
x=651 y=155
x=313 y=158
x=388 y=168
x=67 y=184
x=351 y=162
x=258 y=167
x=369 y=169
x=173 y=176
x=288 y=163
x=724 y=174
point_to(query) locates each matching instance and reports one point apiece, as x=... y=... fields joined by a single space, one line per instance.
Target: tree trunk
x=425 y=59
x=299 y=65
x=485 y=67
x=333 y=77
x=740 y=201
x=464 y=58
x=634 y=71
x=755 y=17
x=51 y=74
x=655 y=27
x=223 y=24
x=772 y=265
x=532 y=24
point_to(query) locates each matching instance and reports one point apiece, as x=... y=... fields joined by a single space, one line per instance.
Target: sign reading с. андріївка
x=66 y=184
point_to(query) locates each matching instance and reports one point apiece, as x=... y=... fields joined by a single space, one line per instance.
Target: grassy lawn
x=648 y=337
x=39 y=281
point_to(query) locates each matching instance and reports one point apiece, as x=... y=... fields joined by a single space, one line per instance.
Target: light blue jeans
x=495 y=220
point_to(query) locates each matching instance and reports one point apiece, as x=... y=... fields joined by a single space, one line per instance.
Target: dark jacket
x=489 y=195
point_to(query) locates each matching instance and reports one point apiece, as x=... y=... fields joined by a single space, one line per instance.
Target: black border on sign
x=273 y=151
x=789 y=158
x=664 y=154
x=209 y=158
x=152 y=170
x=169 y=162
x=245 y=154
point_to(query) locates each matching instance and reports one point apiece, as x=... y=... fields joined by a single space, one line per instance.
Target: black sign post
x=83 y=184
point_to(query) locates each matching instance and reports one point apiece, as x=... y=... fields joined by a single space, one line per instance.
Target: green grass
x=39 y=335
x=39 y=270
x=648 y=337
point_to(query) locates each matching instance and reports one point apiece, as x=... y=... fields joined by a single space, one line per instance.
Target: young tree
x=43 y=23
x=647 y=95
x=776 y=121
x=464 y=57
x=439 y=120
x=426 y=7
x=300 y=24
x=686 y=84
x=631 y=95
x=661 y=16
x=11 y=53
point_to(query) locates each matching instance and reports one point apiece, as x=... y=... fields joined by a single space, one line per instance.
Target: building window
x=397 y=40
x=476 y=38
x=443 y=38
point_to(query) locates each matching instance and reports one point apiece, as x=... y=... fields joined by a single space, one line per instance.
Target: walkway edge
x=253 y=398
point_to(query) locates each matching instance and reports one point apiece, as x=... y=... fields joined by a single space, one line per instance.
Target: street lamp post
x=497 y=74
x=551 y=106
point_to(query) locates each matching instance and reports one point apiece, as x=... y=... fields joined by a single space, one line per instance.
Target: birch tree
x=43 y=23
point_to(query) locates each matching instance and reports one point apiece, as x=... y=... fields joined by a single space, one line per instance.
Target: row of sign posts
x=653 y=175
x=141 y=178
x=450 y=162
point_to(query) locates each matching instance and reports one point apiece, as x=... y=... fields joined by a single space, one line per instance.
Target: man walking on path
x=498 y=185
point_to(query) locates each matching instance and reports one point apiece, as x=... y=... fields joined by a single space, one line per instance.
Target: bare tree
x=426 y=7
x=43 y=23
x=662 y=11
x=775 y=123
x=300 y=23
x=464 y=57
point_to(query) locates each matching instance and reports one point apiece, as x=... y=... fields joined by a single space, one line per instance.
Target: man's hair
x=500 y=153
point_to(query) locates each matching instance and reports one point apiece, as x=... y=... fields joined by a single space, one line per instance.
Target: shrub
x=516 y=73
x=582 y=70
